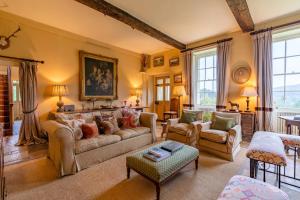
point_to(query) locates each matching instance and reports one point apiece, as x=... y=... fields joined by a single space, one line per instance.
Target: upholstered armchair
x=184 y=132
x=225 y=144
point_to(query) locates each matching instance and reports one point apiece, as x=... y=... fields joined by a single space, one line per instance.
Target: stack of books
x=157 y=154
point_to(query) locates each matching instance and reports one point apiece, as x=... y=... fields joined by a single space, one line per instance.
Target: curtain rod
x=205 y=45
x=23 y=59
x=275 y=27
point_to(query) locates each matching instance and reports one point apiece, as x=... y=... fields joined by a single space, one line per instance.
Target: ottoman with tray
x=160 y=172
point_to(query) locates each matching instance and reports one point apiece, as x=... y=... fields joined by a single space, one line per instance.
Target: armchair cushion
x=181 y=128
x=188 y=117
x=223 y=123
x=213 y=135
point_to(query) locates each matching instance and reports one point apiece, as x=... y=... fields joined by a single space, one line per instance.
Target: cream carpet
x=36 y=179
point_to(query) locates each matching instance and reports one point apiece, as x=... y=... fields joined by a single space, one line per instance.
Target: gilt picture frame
x=158 y=61
x=98 y=77
x=177 y=78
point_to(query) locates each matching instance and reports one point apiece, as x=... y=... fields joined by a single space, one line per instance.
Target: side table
x=248 y=125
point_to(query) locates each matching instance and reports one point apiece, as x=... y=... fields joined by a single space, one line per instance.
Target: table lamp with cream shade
x=248 y=92
x=60 y=91
x=179 y=90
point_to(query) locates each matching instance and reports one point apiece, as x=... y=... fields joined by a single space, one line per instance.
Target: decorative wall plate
x=241 y=74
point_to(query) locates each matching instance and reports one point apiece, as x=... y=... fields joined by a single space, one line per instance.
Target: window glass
x=167 y=93
x=278 y=49
x=204 y=75
x=159 y=93
x=293 y=47
x=293 y=64
x=278 y=66
x=160 y=81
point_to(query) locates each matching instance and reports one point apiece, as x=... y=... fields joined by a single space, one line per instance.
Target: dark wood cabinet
x=248 y=125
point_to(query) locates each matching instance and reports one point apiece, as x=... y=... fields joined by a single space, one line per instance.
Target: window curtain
x=223 y=54
x=262 y=45
x=187 y=68
x=30 y=128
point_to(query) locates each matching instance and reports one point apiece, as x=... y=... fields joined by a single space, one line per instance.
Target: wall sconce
x=60 y=91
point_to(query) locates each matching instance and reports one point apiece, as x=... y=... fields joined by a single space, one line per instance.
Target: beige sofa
x=70 y=155
x=221 y=143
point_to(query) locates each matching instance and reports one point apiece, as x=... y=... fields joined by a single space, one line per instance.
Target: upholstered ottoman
x=242 y=187
x=291 y=141
x=160 y=172
x=266 y=147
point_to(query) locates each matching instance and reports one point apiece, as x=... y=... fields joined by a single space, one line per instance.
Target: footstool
x=242 y=187
x=266 y=147
x=160 y=172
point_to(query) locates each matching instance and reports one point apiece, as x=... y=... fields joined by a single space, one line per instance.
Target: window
x=16 y=92
x=204 y=77
x=163 y=89
x=286 y=69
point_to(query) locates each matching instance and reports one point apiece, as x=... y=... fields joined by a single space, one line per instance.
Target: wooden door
x=162 y=95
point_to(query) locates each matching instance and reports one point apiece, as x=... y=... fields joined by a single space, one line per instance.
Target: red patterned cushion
x=89 y=130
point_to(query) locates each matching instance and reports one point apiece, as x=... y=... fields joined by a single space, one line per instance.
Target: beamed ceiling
x=183 y=21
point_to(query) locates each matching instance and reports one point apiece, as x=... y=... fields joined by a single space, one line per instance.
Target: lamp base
x=60 y=105
x=137 y=102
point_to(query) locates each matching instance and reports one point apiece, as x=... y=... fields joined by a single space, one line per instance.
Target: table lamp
x=60 y=91
x=248 y=92
x=179 y=91
x=138 y=93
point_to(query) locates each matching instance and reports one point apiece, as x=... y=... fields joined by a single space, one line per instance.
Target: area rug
x=37 y=179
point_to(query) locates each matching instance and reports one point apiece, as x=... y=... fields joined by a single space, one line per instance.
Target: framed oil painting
x=174 y=61
x=98 y=77
x=178 y=78
x=158 y=61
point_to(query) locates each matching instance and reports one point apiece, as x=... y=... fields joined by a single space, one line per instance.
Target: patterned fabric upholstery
x=158 y=171
x=181 y=128
x=245 y=188
x=267 y=147
x=214 y=135
x=132 y=132
x=95 y=142
x=290 y=140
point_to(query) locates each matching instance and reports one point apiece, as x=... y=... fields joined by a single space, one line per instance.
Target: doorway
x=162 y=95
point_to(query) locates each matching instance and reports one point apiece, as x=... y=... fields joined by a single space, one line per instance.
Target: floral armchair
x=225 y=144
x=184 y=132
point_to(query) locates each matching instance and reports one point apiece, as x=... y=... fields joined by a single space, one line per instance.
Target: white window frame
x=196 y=55
x=281 y=39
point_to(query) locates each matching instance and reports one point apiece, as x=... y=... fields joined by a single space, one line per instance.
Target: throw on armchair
x=186 y=128
x=223 y=143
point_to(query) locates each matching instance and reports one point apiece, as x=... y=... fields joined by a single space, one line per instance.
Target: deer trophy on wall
x=5 y=40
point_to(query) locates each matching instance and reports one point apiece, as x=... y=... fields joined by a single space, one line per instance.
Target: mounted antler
x=13 y=34
x=4 y=40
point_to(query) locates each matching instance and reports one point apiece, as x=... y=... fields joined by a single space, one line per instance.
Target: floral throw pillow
x=107 y=125
x=130 y=119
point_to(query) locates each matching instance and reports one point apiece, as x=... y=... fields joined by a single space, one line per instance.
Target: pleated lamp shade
x=60 y=90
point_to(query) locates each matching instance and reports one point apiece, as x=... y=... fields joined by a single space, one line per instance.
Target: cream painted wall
x=242 y=54
x=59 y=50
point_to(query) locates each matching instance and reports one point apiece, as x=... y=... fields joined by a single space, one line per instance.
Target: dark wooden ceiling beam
x=241 y=12
x=120 y=15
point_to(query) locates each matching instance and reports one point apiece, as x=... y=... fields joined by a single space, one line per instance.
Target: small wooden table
x=289 y=122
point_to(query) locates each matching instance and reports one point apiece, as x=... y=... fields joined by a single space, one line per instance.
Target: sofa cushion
x=214 y=135
x=181 y=128
x=89 y=130
x=96 y=142
x=132 y=132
